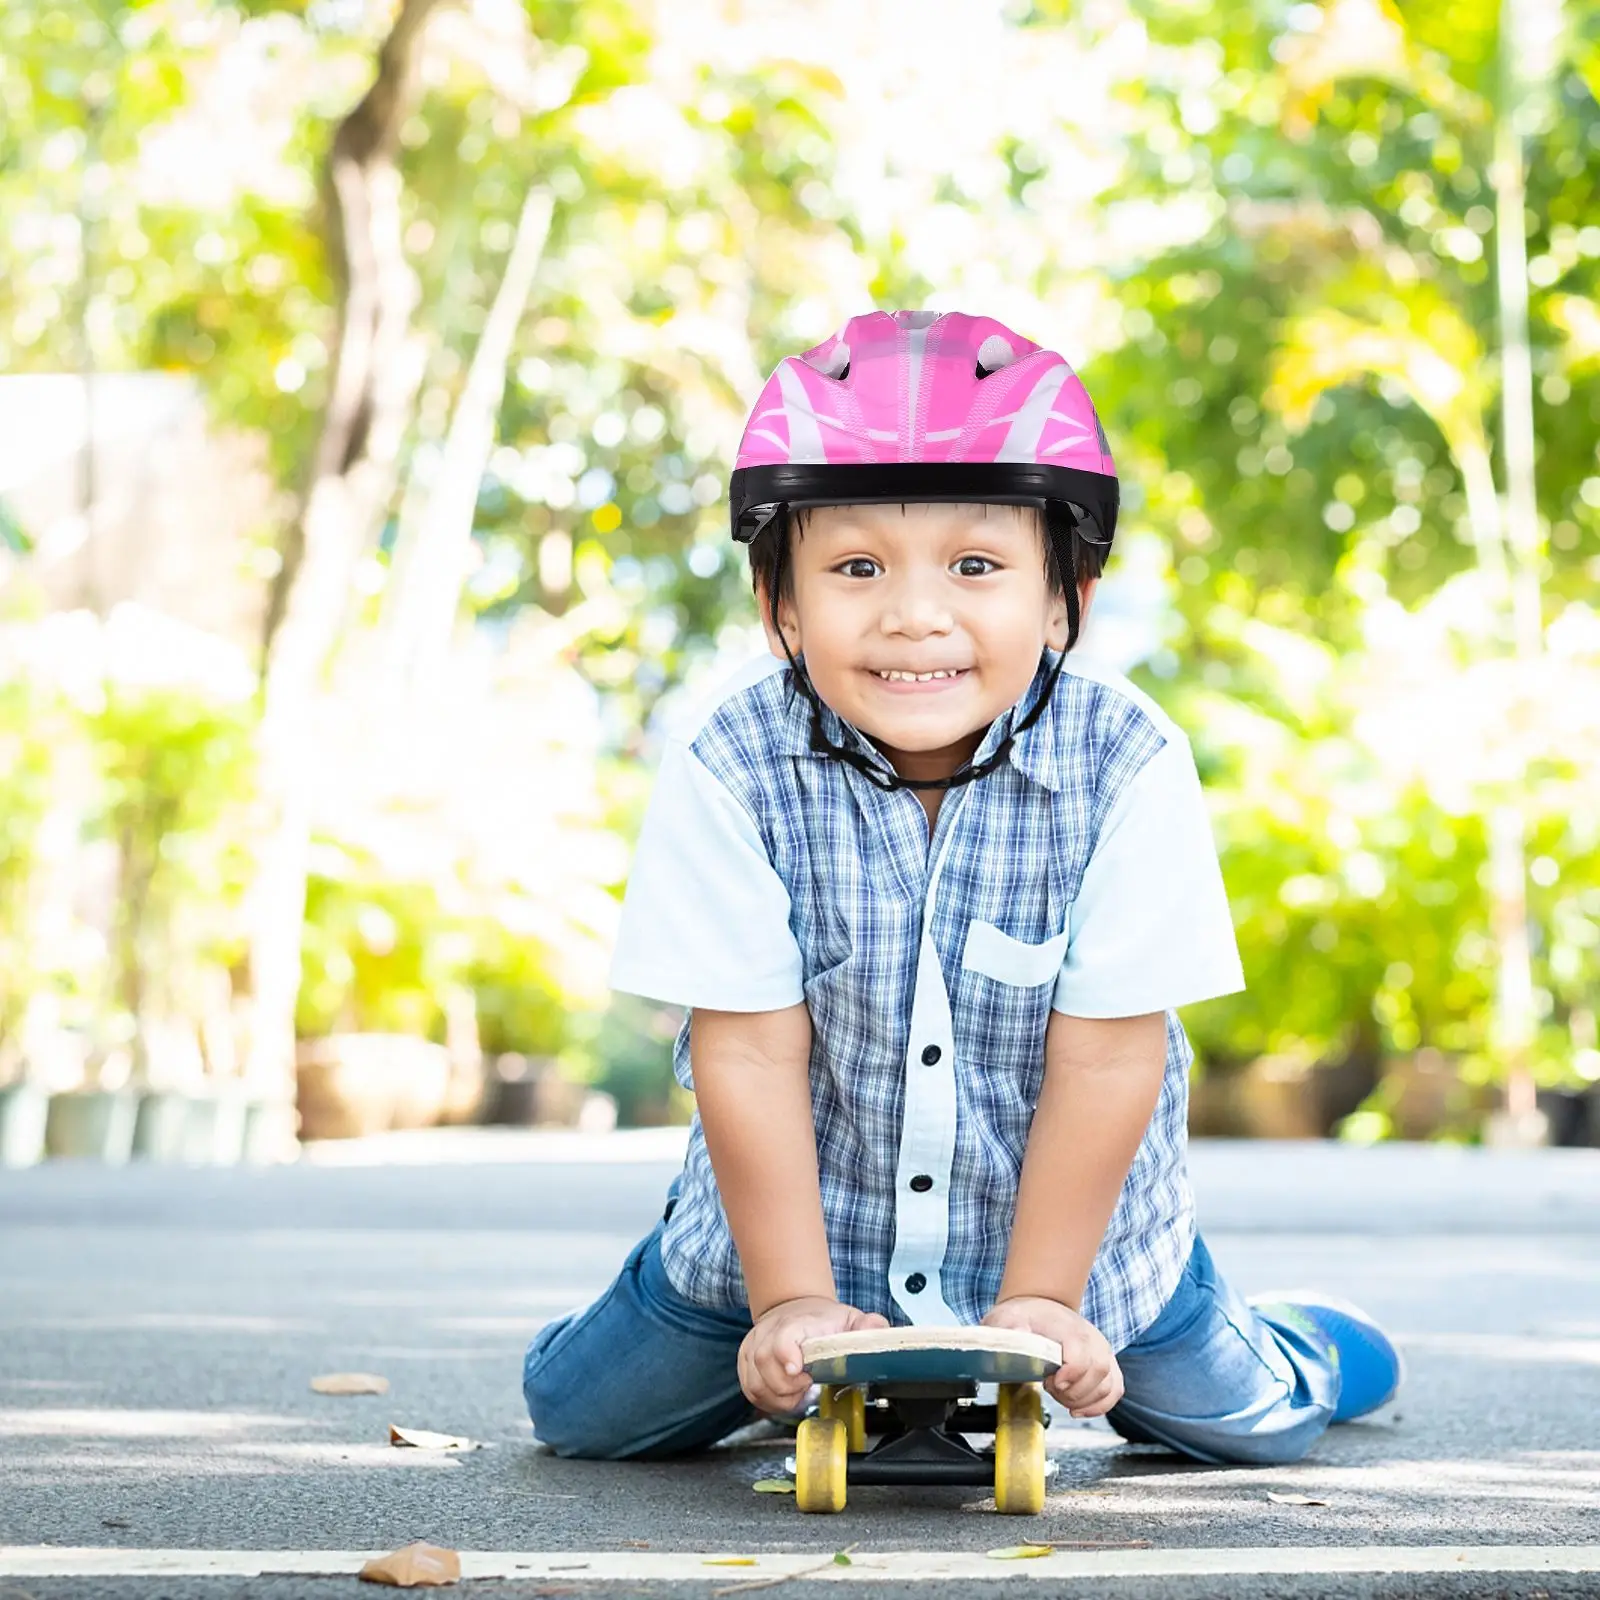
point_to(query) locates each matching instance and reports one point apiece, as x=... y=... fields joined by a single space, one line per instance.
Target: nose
x=915 y=611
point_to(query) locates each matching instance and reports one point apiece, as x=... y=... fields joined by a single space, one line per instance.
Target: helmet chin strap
x=1059 y=534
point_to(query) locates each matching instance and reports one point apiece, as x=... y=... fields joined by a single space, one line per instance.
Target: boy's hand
x=1089 y=1381
x=770 y=1369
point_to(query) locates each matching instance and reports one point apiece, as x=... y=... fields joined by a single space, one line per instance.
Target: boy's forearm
x=1102 y=1079
x=753 y=1088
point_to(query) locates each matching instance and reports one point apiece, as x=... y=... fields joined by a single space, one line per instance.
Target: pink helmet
x=918 y=405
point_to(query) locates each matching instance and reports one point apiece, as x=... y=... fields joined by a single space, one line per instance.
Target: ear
x=787 y=617
x=1057 y=628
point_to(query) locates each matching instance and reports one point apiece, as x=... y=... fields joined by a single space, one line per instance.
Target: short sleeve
x=1150 y=929
x=705 y=921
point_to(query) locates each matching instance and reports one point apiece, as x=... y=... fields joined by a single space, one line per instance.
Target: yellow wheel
x=849 y=1406
x=820 y=1457
x=1019 y=1450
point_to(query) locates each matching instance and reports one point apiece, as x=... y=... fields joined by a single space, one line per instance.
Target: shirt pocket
x=997 y=955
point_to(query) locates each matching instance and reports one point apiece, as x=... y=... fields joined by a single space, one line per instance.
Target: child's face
x=882 y=593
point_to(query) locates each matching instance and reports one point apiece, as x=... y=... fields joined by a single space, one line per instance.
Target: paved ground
x=158 y=1330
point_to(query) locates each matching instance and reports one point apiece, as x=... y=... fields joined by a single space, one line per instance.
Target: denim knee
x=568 y=1417
x=639 y=1373
x=1272 y=1447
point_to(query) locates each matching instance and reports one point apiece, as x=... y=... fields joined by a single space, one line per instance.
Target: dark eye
x=859 y=567
x=974 y=566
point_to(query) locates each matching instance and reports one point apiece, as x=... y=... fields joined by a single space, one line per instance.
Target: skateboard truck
x=914 y=1390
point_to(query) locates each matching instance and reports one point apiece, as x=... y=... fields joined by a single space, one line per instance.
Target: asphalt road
x=159 y=1328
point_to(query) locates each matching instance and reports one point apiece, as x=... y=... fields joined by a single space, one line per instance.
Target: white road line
x=580 y=1566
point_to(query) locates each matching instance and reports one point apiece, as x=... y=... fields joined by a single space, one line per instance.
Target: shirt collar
x=1034 y=752
x=1037 y=751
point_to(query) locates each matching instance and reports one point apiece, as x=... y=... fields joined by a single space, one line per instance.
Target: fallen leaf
x=1020 y=1552
x=414 y=1566
x=1293 y=1499
x=840 y=1559
x=421 y=1439
x=350 y=1383
x=729 y=1561
x=773 y=1486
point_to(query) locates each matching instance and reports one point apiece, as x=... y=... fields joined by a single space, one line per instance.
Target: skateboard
x=913 y=1392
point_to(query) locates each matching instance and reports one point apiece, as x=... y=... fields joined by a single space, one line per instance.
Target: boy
x=932 y=891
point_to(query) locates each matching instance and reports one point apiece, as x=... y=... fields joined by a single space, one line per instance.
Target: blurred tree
x=678 y=210
x=1336 y=160
x=377 y=369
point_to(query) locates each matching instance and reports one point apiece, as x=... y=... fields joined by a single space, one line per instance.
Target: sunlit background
x=372 y=374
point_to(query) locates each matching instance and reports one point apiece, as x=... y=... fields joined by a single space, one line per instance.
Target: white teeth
x=918 y=677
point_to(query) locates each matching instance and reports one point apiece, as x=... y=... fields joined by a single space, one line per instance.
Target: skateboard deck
x=930 y=1356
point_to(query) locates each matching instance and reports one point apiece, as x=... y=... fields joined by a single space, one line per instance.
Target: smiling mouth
x=938 y=675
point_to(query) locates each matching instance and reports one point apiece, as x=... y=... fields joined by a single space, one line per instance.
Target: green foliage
x=177 y=769
x=382 y=950
x=616 y=427
x=34 y=732
x=1273 y=381
x=378 y=951
x=1296 y=403
x=521 y=1007
x=628 y=1055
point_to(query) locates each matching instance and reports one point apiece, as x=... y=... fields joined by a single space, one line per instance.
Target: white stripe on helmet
x=1022 y=441
x=917 y=345
x=805 y=437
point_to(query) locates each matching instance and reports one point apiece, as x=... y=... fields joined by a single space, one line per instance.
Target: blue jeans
x=644 y=1373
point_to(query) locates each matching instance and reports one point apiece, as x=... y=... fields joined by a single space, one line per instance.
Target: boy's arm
x=752 y=1082
x=1102 y=1077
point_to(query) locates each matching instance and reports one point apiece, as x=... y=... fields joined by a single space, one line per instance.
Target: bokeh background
x=372 y=370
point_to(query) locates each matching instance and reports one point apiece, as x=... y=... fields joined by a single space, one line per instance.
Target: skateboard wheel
x=848 y=1406
x=1019 y=1450
x=821 y=1458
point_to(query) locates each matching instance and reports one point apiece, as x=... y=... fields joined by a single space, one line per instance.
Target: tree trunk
x=376 y=375
x=430 y=559
x=1516 y=1021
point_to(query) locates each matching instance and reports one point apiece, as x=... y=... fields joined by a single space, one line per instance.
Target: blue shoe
x=1370 y=1368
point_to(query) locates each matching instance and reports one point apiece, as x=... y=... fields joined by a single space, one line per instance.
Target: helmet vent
x=994 y=353
x=834 y=362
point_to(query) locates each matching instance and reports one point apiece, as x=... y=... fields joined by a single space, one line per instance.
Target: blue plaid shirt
x=1081 y=874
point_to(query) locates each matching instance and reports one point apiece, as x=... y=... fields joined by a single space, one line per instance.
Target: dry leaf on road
x=729 y=1561
x=1293 y=1499
x=414 y=1566
x=350 y=1383
x=1020 y=1552
x=421 y=1439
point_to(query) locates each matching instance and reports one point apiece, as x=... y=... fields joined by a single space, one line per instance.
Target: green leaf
x=773 y=1486
x=1020 y=1552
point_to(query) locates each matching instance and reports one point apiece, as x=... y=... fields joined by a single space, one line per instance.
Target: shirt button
x=922 y=1183
x=916 y=1283
x=930 y=1054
